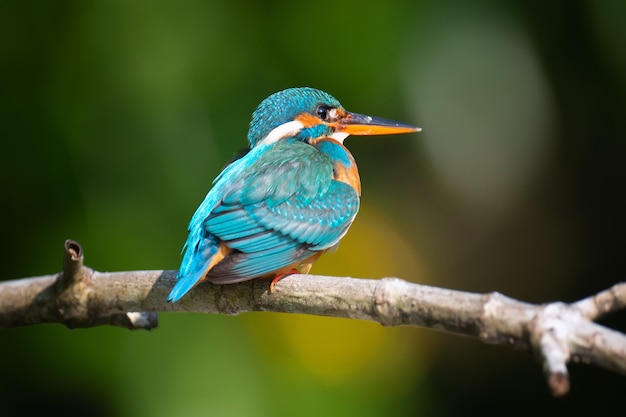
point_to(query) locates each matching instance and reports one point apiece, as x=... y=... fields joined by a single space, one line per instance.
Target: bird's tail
x=199 y=257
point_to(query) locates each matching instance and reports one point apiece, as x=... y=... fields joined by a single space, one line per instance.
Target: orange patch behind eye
x=308 y=120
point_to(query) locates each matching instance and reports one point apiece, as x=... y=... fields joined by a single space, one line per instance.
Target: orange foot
x=281 y=276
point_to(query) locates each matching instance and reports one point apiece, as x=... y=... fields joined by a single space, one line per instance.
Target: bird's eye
x=322 y=111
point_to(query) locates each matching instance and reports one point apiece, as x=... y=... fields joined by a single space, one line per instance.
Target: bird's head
x=306 y=113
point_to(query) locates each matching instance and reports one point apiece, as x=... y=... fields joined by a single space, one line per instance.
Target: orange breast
x=348 y=174
x=344 y=165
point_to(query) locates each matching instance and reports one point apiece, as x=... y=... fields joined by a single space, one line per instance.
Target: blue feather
x=201 y=246
x=193 y=267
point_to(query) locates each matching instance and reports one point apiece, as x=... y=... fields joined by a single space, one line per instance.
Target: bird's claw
x=281 y=276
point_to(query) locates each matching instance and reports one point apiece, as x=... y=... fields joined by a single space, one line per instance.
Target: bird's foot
x=281 y=276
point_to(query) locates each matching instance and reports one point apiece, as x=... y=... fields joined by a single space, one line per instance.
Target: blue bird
x=288 y=200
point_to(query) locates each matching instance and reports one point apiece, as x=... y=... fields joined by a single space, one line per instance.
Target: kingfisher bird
x=289 y=199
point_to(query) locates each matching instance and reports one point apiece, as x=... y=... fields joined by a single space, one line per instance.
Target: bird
x=291 y=197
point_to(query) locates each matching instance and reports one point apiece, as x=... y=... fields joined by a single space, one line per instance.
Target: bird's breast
x=349 y=175
x=343 y=163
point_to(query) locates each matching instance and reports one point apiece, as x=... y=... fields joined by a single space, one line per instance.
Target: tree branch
x=557 y=333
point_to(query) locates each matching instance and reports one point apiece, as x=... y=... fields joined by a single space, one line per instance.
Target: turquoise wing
x=274 y=207
x=285 y=210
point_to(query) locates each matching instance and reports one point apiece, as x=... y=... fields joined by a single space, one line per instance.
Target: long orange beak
x=360 y=124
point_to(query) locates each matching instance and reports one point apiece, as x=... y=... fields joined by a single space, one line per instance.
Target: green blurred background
x=116 y=115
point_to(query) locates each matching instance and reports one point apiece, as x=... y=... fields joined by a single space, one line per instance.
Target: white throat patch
x=340 y=136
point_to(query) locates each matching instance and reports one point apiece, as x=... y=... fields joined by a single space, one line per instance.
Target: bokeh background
x=116 y=115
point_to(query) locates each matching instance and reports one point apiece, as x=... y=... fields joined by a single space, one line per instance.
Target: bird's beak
x=360 y=124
